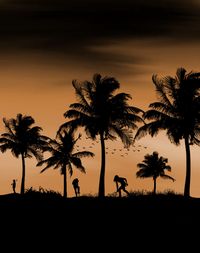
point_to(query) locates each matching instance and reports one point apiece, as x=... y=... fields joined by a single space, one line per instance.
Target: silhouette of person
x=14 y=185
x=76 y=186
x=123 y=183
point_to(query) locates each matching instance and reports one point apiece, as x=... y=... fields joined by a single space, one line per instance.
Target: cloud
x=50 y=24
x=72 y=28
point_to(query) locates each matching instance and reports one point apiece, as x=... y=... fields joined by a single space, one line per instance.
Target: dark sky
x=59 y=26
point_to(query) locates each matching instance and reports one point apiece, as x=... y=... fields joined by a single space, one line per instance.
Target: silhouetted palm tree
x=153 y=166
x=102 y=114
x=177 y=112
x=23 y=140
x=62 y=156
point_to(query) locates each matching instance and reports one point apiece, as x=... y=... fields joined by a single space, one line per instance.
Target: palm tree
x=177 y=112
x=102 y=114
x=23 y=140
x=62 y=156
x=153 y=166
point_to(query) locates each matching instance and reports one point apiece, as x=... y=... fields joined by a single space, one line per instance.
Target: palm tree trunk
x=103 y=164
x=188 y=168
x=23 y=174
x=154 y=186
x=64 y=182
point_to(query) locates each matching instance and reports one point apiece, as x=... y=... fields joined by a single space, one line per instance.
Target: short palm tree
x=62 y=156
x=177 y=112
x=153 y=166
x=23 y=140
x=102 y=114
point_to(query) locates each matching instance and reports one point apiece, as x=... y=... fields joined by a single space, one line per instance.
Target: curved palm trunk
x=64 y=182
x=154 y=185
x=23 y=174
x=103 y=164
x=188 y=168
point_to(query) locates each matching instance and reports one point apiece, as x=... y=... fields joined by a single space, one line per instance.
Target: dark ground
x=144 y=222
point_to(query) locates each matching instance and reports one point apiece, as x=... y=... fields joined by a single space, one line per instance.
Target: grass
x=86 y=220
x=42 y=193
x=166 y=204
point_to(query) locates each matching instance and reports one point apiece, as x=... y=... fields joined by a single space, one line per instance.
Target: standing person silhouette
x=123 y=183
x=14 y=185
x=76 y=186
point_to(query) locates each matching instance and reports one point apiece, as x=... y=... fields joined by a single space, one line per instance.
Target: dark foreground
x=138 y=221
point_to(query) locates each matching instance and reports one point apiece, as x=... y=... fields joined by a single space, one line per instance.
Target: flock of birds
x=109 y=150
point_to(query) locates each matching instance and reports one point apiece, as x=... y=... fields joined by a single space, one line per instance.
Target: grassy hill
x=136 y=209
x=136 y=219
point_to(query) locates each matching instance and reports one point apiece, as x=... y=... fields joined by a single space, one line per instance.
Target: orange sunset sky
x=45 y=45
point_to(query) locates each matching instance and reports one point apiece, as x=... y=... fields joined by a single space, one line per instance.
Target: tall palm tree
x=153 y=166
x=23 y=140
x=102 y=114
x=177 y=112
x=62 y=156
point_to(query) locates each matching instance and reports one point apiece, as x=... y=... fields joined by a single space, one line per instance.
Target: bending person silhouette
x=76 y=186
x=14 y=185
x=123 y=183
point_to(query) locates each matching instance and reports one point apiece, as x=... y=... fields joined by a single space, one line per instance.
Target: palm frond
x=8 y=126
x=80 y=93
x=124 y=134
x=193 y=75
x=81 y=108
x=163 y=108
x=128 y=120
x=141 y=132
x=5 y=147
x=83 y=154
x=70 y=169
x=50 y=162
x=174 y=135
x=120 y=98
x=159 y=83
x=36 y=153
x=74 y=114
x=89 y=89
x=7 y=136
x=155 y=115
x=142 y=166
x=96 y=79
x=180 y=73
x=7 y=140
x=134 y=110
x=196 y=141
x=143 y=173
x=77 y=163
x=151 y=128
x=164 y=176
x=108 y=84
x=72 y=124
